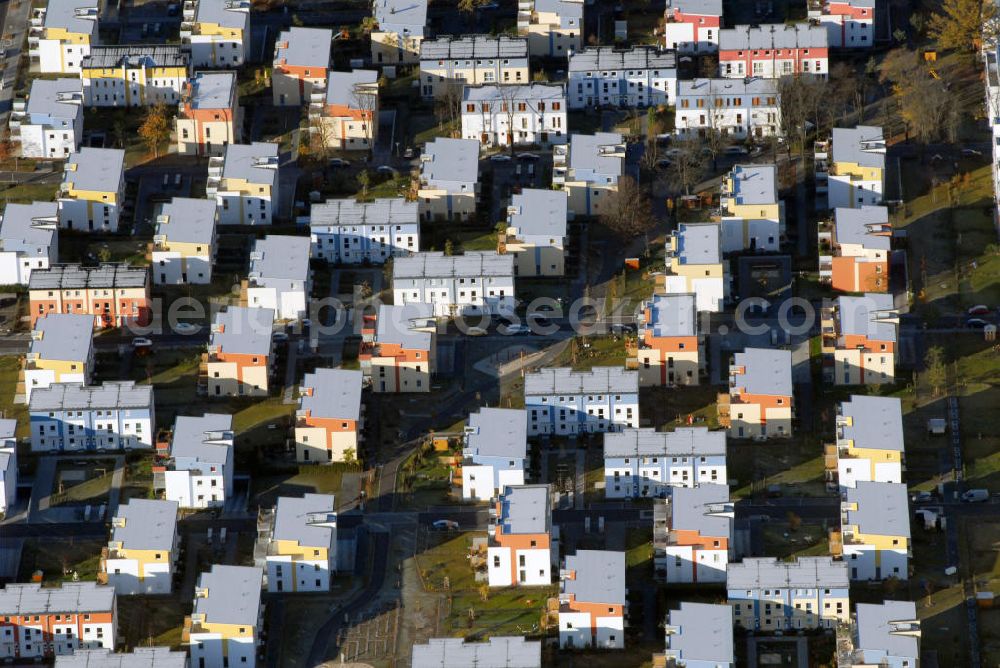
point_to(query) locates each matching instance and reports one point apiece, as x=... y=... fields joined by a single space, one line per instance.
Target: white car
x=516 y=329
x=476 y=331
x=186 y=328
x=500 y=157
x=141 y=342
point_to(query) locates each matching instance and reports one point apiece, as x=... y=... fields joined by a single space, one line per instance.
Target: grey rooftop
x=188 y=220
x=303 y=47
x=682 y=442
x=148 y=525
x=863 y=145
x=599 y=576
x=535 y=212
x=438 y=265
x=875 y=422
x=350 y=212
x=296 y=518
x=279 y=256
x=699 y=243
x=719 y=86
x=697 y=7
x=449 y=159
x=497 y=432
x=530 y=92
x=882 y=508
x=410 y=326
x=602 y=152
x=135 y=56
x=773 y=36
x=335 y=393
x=563 y=380
x=696 y=508
x=233 y=595
x=255 y=163
x=802 y=573
x=469 y=47
x=352 y=89
x=115 y=395
x=701 y=632
x=867 y=226
x=672 y=315
x=407 y=17
x=212 y=90
x=201 y=437
x=883 y=628
x=610 y=58
x=140 y=657
x=226 y=13
x=29 y=227
x=98 y=169
x=56 y=98
x=242 y=331
x=866 y=315
x=524 y=509
x=70 y=15
x=497 y=652
x=766 y=371
x=63 y=336
x=754 y=184
x=71 y=597
x=78 y=277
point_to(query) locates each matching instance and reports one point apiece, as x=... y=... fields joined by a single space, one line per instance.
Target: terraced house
x=476 y=282
x=520 y=548
x=760 y=399
x=224 y=627
x=299 y=544
x=61 y=34
x=301 y=62
x=239 y=353
x=512 y=114
x=28 y=240
x=536 y=232
x=554 y=28
x=41 y=622
x=859 y=340
x=588 y=169
x=400 y=32
x=345 y=231
x=115 y=294
x=198 y=469
x=330 y=417
x=497 y=652
x=735 y=108
x=693 y=533
x=643 y=462
x=869 y=445
x=68 y=417
x=667 y=348
x=134 y=76
x=279 y=278
x=850 y=24
x=692 y=26
x=449 y=179
x=216 y=32
x=859 y=244
x=856 y=172
x=753 y=217
x=92 y=190
x=565 y=402
x=448 y=63
x=494 y=452
x=399 y=350
x=699 y=635
x=61 y=350
x=592 y=600
x=773 y=51
x=244 y=183
x=183 y=248
x=140 y=657
x=344 y=112
x=874 y=537
x=695 y=265
x=50 y=123
x=141 y=556
x=209 y=117
x=639 y=77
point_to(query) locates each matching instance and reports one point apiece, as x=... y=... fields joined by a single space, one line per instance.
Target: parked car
x=976 y=323
x=500 y=157
x=279 y=337
x=516 y=329
x=476 y=331
x=445 y=525
x=339 y=162
x=979 y=309
x=975 y=496
x=141 y=342
x=922 y=497
x=735 y=150
x=186 y=328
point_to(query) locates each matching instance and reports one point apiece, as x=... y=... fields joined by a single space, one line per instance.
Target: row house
x=116 y=295
x=773 y=51
x=753 y=217
x=474 y=283
x=644 y=462
x=343 y=113
x=692 y=26
x=850 y=24
x=198 y=469
x=28 y=240
x=449 y=179
x=447 y=63
x=561 y=401
x=736 y=108
x=592 y=600
x=244 y=183
x=760 y=400
x=667 y=348
x=92 y=190
x=855 y=174
x=216 y=32
x=299 y=544
x=301 y=62
x=505 y=115
x=49 y=124
x=554 y=28
x=854 y=251
x=588 y=169
x=330 y=416
x=209 y=116
x=134 y=76
x=692 y=534
x=536 y=232
x=494 y=452
x=869 y=445
x=859 y=337
x=400 y=32
x=61 y=350
x=61 y=34
x=71 y=417
x=874 y=537
x=695 y=265
x=42 y=622
x=638 y=77
x=520 y=548
x=8 y=465
x=239 y=353
x=141 y=556
x=399 y=354
x=225 y=625
x=183 y=248
x=279 y=277
x=140 y=657
x=496 y=652
x=771 y=595
x=345 y=231
x=699 y=635
x=881 y=635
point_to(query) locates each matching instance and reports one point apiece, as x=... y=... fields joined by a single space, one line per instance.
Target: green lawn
x=585 y=353
x=58 y=558
x=10 y=366
x=29 y=192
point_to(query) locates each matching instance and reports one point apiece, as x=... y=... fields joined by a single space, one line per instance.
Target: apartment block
x=883 y=635
x=592 y=600
x=856 y=175
x=198 y=472
x=92 y=190
x=330 y=417
x=448 y=63
x=400 y=32
x=115 y=294
x=854 y=251
x=61 y=34
x=399 y=353
x=224 y=627
x=244 y=183
x=343 y=113
x=239 y=353
x=502 y=115
x=771 y=595
x=850 y=24
x=638 y=77
x=42 y=622
x=134 y=76
x=183 y=249
x=753 y=217
x=301 y=61
x=141 y=556
x=859 y=340
x=209 y=116
x=536 y=232
x=773 y=51
x=474 y=283
x=642 y=463
x=699 y=635
x=760 y=400
x=216 y=32
x=72 y=417
x=736 y=108
x=8 y=465
x=61 y=350
x=140 y=657
x=49 y=124
x=28 y=240
x=554 y=28
x=991 y=76
x=869 y=445
x=695 y=265
x=692 y=26
x=345 y=231
x=588 y=169
x=667 y=348
x=449 y=179
x=874 y=538
x=692 y=534
x=279 y=277
x=300 y=544
x=565 y=402
x=494 y=453
x=519 y=551
x=496 y=652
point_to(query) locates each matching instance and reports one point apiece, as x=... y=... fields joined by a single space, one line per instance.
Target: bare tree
x=447 y=107
x=687 y=164
x=631 y=213
x=510 y=100
x=364 y=98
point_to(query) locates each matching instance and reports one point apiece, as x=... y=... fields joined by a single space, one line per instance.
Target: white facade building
x=49 y=124
x=857 y=172
x=645 y=462
x=184 y=243
x=28 y=240
x=692 y=26
x=345 y=231
x=875 y=530
x=475 y=283
x=592 y=600
x=92 y=190
x=449 y=61
x=768 y=594
x=850 y=24
x=495 y=452
x=520 y=547
x=515 y=114
x=302 y=547
x=695 y=544
x=279 y=277
x=449 y=179
x=870 y=442
x=8 y=465
x=74 y=417
x=227 y=618
x=736 y=108
x=700 y=635
x=244 y=183
x=640 y=77
x=61 y=351
x=61 y=35
x=144 y=547
x=216 y=32
x=561 y=401
x=41 y=622
x=134 y=76
x=200 y=471
x=885 y=635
